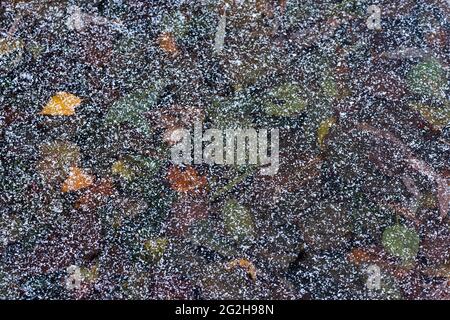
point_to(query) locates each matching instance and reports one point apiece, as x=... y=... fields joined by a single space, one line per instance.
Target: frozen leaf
x=186 y=211
x=56 y=160
x=285 y=100
x=238 y=221
x=61 y=104
x=77 y=180
x=329 y=87
x=167 y=43
x=132 y=107
x=187 y=180
x=243 y=263
x=437 y=116
x=95 y=196
x=324 y=129
x=123 y=169
x=11 y=54
x=401 y=242
x=428 y=79
x=155 y=248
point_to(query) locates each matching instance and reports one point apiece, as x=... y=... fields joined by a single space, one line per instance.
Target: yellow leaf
x=77 y=180
x=7 y=47
x=123 y=169
x=90 y=274
x=324 y=129
x=437 y=117
x=61 y=104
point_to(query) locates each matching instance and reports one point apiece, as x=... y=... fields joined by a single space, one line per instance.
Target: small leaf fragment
x=243 y=263
x=167 y=43
x=285 y=100
x=123 y=169
x=156 y=248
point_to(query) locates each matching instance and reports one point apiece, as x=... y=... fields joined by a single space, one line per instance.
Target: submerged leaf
x=324 y=129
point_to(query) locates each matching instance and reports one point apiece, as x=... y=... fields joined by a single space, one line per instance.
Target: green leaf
x=401 y=242
x=330 y=88
x=285 y=100
x=437 y=116
x=428 y=79
x=131 y=108
x=238 y=221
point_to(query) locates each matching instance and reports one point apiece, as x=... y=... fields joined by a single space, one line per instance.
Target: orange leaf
x=77 y=180
x=61 y=104
x=185 y=181
x=243 y=263
x=358 y=256
x=167 y=43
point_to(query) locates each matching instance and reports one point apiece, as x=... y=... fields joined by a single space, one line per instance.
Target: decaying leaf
x=186 y=211
x=123 y=169
x=238 y=221
x=132 y=107
x=132 y=167
x=11 y=54
x=155 y=248
x=285 y=100
x=437 y=116
x=96 y=195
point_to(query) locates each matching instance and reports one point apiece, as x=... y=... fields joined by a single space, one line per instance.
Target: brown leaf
x=185 y=181
x=167 y=43
x=96 y=195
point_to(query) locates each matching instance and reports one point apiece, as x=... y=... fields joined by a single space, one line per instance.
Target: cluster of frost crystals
x=93 y=94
